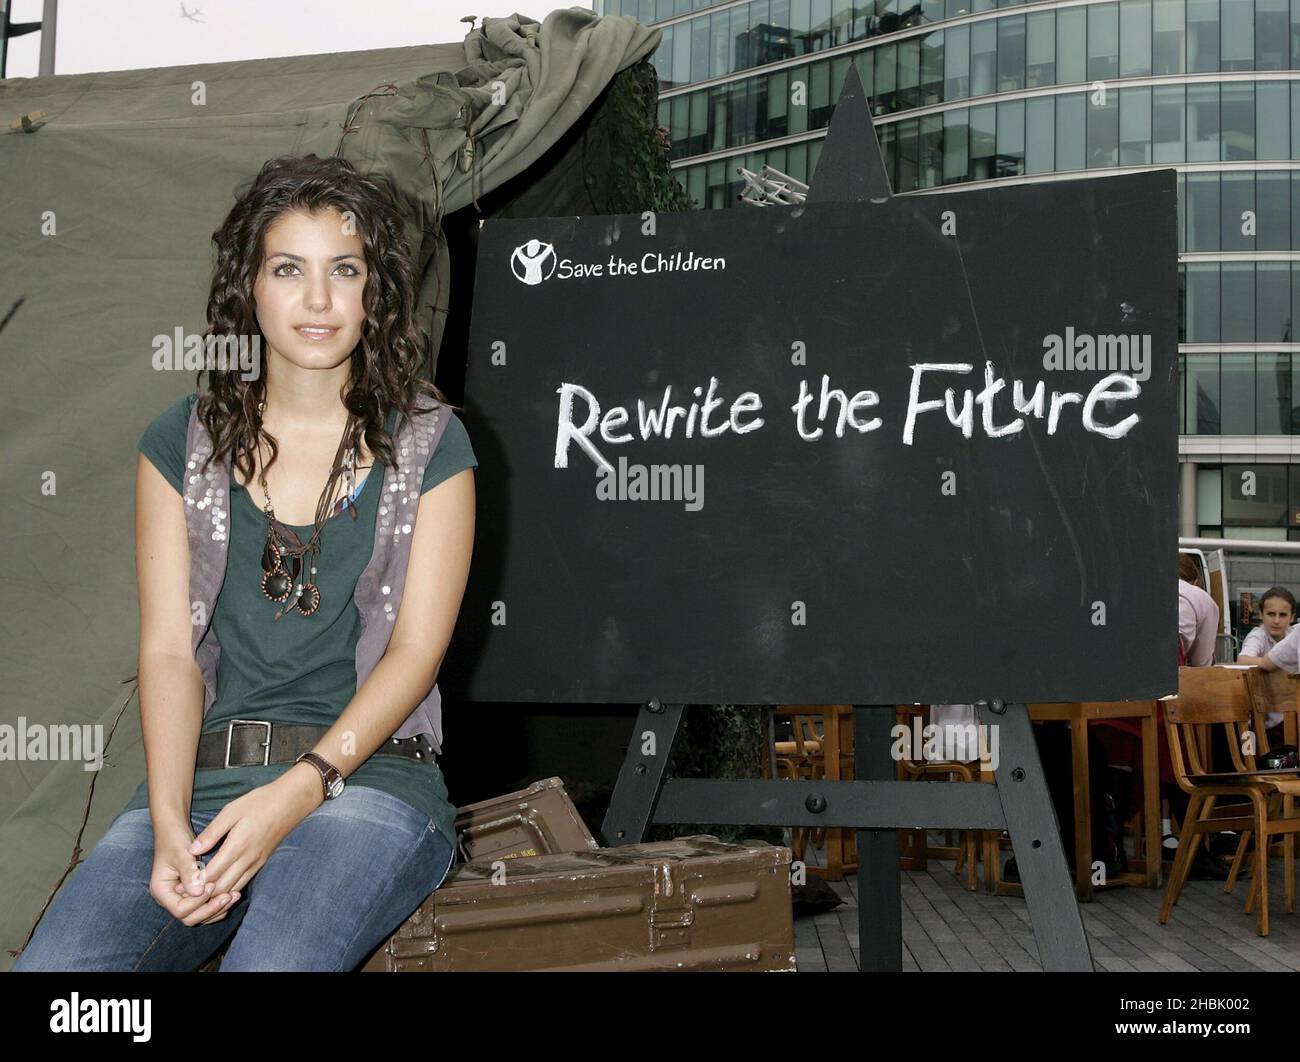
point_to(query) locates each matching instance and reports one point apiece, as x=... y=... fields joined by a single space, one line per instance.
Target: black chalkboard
x=969 y=561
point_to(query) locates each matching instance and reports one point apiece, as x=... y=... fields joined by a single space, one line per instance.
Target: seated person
x=1277 y=620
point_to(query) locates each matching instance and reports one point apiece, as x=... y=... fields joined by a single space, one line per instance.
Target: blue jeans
x=336 y=887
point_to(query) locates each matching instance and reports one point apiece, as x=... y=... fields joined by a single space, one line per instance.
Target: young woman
x=1273 y=643
x=1276 y=615
x=269 y=849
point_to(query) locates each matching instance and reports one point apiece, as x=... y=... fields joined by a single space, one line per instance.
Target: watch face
x=335 y=788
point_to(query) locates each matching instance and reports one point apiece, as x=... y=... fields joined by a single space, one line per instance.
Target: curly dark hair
x=392 y=361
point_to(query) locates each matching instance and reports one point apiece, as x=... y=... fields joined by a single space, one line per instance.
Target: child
x=1275 y=640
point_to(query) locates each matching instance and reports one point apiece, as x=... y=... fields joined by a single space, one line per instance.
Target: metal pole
x=4 y=35
x=49 y=22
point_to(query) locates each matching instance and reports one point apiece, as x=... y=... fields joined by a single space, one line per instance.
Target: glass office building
x=970 y=91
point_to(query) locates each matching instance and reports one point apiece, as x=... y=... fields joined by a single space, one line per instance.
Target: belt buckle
x=266 y=745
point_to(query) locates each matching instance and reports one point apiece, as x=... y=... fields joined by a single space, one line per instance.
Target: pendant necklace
x=285 y=556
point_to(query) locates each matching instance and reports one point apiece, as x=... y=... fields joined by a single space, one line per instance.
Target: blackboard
x=944 y=560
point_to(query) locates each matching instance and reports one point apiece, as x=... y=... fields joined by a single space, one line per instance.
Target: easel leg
x=1036 y=838
x=880 y=912
x=641 y=778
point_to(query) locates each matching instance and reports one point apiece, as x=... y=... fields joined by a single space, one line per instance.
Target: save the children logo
x=537 y=260
x=533 y=262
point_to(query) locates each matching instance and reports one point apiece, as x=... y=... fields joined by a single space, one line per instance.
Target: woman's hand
x=178 y=885
x=253 y=826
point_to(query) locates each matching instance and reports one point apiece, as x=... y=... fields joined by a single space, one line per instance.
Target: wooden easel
x=877 y=805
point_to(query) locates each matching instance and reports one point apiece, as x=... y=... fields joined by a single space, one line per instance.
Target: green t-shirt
x=298 y=669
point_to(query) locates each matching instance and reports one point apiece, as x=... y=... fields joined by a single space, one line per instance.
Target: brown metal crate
x=694 y=903
x=534 y=821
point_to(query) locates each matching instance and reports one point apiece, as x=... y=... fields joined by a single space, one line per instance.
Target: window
x=1273 y=211
x=1071 y=36
x=1273 y=302
x=1202 y=36
x=699 y=54
x=865 y=61
x=1011 y=138
x=1167 y=41
x=909 y=72
x=1237 y=315
x=1135 y=38
x=1040 y=133
x=1202 y=312
x=1103 y=41
x=886 y=78
x=1237 y=191
x=778 y=104
x=1202 y=123
x=1272 y=120
x=1134 y=126
x=929 y=152
x=956 y=63
x=681 y=74
x=1254 y=494
x=1236 y=402
x=1040 y=49
x=680 y=128
x=800 y=22
x=1202 y=212
x=1272 y=33
x=1201 y=394
x=820 y=103
x=932 y=68
x=907 y=155
x=699 y=123
x=1070 y=132
x=983 y=142
x=1168 y=113
x=983 y=57
x=1209 y=495
x=1103 y=131
x=956 y=146
x=1237 y=121
x=1011 y=53
x=1237 y=34
x=725 y=112
x=1273 y=394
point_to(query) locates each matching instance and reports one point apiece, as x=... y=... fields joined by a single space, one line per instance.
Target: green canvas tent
x=112 y=185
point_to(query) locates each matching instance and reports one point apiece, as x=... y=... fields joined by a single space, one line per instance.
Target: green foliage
x=642 y=177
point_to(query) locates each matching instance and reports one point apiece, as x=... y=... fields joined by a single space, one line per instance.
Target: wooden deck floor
x=945 y=927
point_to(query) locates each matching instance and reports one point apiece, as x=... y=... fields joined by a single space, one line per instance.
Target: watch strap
x=329 y=774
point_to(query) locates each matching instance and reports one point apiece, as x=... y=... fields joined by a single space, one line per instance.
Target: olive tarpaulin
x=111 y=185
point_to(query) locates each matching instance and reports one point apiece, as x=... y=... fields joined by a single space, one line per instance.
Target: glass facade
x=975 y=90
x=1013 y=45
x=1259 y=501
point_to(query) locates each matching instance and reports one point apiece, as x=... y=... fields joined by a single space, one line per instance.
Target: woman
x=1276 y=615
x=297 y=812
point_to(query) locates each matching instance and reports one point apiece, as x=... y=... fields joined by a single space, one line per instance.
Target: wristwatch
x=330 y=777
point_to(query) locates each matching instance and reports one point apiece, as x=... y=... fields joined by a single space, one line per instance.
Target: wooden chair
x=1271 y=691
x=1210 y=697
x=972 y=845
x=800 y=757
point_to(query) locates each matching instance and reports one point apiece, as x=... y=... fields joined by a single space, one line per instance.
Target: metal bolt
x=998 y=706
x=816 y=803
x=1018 y=774
x=655 y=706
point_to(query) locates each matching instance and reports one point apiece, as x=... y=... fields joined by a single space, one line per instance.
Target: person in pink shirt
x=1198 y=616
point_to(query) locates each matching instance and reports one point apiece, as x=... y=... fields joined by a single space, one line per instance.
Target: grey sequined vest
x=379 y=587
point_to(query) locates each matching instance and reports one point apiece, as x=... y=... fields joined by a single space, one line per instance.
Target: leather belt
x=257 y=742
